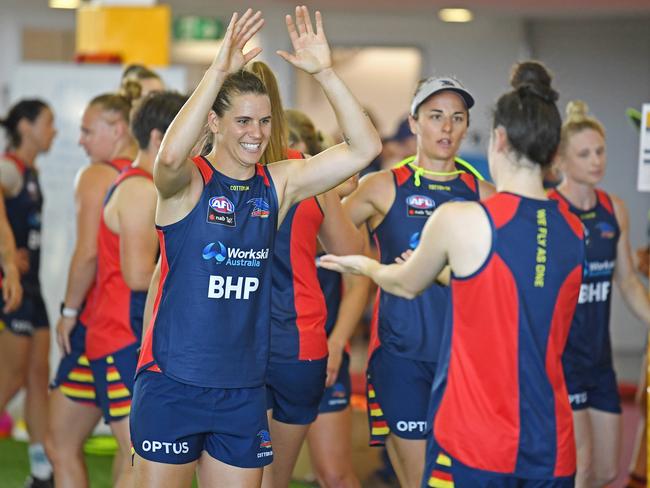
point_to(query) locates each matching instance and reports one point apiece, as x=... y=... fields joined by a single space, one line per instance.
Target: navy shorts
x=596 y=388
x=398 y=391
x=30 y=316
x=173 y=423
x=74 y=378
x=442 y=471
x=294 y=390
x=114 y=375
x=337 y=397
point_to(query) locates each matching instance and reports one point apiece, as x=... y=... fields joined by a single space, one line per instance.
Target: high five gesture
x=311 y=50
x=231 y=57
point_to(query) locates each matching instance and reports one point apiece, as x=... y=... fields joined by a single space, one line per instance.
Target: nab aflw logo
x=221 y=211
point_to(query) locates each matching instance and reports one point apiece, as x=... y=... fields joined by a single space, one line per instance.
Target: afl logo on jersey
x=221 y=211
x=419 y=206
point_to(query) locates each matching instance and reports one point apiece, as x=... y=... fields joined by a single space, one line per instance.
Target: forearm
x=359 y=133
x=7 y=248
x=353 y=304
x=182 y=134
x=636 y=297
x=389 y=278
x=81 y=277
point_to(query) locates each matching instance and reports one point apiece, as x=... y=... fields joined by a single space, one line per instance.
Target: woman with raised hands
x=499 y=411
x=202 y=368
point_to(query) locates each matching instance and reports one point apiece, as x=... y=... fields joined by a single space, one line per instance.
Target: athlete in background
x=74 y=412
x=298 y=360
x=345 y=299
x=212 y=200
x=588 y=367
x=406 y=335
x=127 y=251
x=500 y=410
x=25 y=331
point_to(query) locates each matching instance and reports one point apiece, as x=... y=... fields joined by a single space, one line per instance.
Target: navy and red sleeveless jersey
x=24 y=215
x=119 y=165
x=413 y=328
x=499 y=397
x=589 y=343
x=115 y=304
x=210 y=324
x=298 y=310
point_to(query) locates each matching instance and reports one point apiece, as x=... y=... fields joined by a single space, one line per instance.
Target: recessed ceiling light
x=455 y=15
x=64 y=3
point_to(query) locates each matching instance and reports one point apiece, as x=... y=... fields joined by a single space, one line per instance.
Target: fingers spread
x=319 y=24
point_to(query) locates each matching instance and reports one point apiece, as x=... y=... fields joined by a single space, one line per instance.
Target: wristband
x=68 y=312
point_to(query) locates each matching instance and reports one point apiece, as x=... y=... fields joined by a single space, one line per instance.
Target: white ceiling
x=524 y=8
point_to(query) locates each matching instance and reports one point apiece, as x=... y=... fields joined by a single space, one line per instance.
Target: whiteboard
x=67 y=88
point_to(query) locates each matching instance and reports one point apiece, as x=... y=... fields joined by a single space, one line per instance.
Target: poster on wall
x=644 y=150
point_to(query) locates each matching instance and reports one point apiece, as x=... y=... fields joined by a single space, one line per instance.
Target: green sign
x=196 y=28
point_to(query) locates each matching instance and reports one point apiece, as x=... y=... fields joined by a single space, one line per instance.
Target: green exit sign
x=197 y=28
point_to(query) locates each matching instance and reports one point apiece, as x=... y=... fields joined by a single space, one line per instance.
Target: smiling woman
x=205 y=354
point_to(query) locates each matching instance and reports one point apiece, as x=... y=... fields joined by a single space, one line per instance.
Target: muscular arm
x=327 y=169
x=136 y=207
x=353 y=303
x=440 y=243
x=91 y=185
x=632 y=290
x=12 y=291
x=337 y=233
x=299 y=179
x=173 y=171
x=371 y=200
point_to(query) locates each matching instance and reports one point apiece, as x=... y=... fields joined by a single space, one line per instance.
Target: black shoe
x=33 y=482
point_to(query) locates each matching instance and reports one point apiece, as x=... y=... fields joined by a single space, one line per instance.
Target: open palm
x=311 y=50
x=231 y=56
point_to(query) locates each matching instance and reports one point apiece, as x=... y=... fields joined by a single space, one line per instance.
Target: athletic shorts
x=294 y=390
x=596 y=388
x=74 y=378
x=443 y=471
x=31 y=315
x=114 y=375
x=173 y=423
x=398 y=391
x=337 y=397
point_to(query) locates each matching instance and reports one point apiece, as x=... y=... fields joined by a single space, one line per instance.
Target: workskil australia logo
x=234 y=256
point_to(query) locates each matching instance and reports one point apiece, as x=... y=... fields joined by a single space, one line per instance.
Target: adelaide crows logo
x=261 y=208
x=265 y=439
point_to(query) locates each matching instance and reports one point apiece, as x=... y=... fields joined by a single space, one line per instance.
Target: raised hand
x=311 y=50
x=231 y=56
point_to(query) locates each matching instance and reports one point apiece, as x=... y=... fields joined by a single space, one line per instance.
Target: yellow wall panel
x=136 y=34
